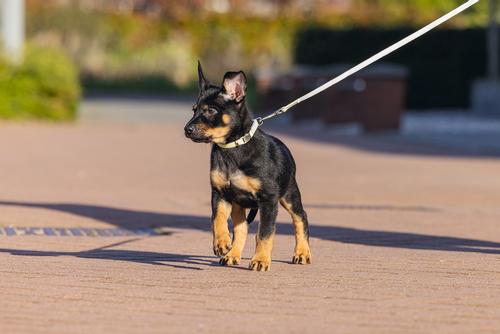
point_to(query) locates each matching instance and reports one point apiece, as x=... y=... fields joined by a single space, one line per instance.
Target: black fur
x=252 y=214
x=265 y=158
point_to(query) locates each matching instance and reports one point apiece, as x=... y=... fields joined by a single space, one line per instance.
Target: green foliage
x=44 y=86
x=114 y=47
x=229 y=43
x=117 y=49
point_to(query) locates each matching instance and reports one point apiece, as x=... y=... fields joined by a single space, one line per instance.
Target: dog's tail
x=252 y=214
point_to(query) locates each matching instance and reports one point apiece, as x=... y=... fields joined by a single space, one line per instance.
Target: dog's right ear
x=235 y=86
x=202 y=81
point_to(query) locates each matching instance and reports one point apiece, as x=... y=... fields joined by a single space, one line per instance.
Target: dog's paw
x=260 y=264
x=230 y=259
x=222 y=245
x=302 y=256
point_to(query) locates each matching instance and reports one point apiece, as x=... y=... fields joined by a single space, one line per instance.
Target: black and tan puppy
x=256 y=174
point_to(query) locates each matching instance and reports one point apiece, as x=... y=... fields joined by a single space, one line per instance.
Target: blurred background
x=105 y=205
x=56 y=51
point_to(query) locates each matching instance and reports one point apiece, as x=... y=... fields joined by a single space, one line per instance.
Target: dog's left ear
x=234 y=86
x=202 y=81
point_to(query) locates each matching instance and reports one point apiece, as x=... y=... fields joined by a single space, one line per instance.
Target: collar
x=243 y=140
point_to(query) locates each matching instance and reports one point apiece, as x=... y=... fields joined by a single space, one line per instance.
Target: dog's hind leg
x=240 y=231
x=220 y=214
x=293 y=204
x=261 y=261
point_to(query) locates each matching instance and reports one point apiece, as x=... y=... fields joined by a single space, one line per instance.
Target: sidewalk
x=403 y=241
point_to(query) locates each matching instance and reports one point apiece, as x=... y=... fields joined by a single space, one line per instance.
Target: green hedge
x=116 y=50
x=442 y=64
x=44 y=86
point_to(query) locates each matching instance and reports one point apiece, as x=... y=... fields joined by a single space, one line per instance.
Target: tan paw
x=302 y=256
x=222 y=245
x=230 y=259
x=260 y=263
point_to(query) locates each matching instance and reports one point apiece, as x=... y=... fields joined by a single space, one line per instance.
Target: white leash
x=372 y=59
x=259 y=120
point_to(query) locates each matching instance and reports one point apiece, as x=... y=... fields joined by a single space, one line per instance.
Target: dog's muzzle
x=191 y=133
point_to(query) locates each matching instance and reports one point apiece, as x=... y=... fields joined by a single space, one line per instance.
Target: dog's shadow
x=130 y=219
x=184 y=261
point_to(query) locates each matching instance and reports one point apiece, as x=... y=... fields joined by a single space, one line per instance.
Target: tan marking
x=302 y=252
x=218 y=134
x=287 y=206
x=238 y=179
x=243 y=182
x=218 y=179
x=226 y=119
x=261 y=261
x=222 y=241
x=240 y=232
x=203 y=127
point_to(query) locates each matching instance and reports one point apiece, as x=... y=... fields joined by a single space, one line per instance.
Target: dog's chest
x=235 y=181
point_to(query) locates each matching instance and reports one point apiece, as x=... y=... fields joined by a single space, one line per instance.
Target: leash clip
x=280 y=111
x=259 y=120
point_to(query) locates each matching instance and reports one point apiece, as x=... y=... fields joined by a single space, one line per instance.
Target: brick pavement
x=401 y=242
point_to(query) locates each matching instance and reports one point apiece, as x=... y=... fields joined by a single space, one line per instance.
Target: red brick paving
x=401 y=243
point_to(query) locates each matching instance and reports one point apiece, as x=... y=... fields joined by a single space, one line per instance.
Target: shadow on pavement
x=129 y=219
x=163 y=259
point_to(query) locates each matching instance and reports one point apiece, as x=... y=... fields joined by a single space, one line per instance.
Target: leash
x=260 y=120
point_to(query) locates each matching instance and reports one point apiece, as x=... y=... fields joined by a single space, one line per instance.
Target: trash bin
x=373 y=97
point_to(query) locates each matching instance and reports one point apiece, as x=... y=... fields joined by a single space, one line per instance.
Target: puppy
x=249 y=169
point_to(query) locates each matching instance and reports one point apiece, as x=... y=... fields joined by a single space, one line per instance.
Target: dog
x=249 y=169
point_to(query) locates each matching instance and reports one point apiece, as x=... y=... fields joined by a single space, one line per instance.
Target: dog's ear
x=234 y=86
x=202 y=81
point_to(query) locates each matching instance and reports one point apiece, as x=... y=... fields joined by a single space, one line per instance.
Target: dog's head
x=217 y=110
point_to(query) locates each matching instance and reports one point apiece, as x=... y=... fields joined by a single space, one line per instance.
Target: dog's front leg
x=240 y=232
x=261 y=261
x=221 y=209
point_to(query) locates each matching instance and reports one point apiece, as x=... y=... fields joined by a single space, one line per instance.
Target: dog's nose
x=189 y=129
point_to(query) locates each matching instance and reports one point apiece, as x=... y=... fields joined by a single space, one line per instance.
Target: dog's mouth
x=206 y=140
x=201 y=140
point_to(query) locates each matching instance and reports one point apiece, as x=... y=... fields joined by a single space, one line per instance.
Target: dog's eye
x=212 y=111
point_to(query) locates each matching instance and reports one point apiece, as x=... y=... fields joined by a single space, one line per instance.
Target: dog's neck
x=243 y=125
